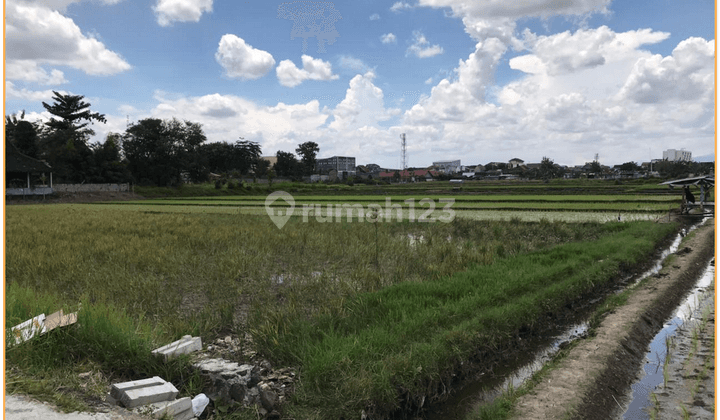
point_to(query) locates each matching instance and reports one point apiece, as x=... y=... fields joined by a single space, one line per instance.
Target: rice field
x=354 y=304
x=433 y=207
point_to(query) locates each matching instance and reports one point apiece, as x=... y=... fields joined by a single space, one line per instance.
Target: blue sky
x=473 y=80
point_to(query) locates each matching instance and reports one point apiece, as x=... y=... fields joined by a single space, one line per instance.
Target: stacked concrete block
x=147 y=391
x=185 y=345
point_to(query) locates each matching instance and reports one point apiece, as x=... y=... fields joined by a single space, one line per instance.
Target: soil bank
x=588 y=383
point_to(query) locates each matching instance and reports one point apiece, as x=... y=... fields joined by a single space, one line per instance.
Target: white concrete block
x=180 y=409
x=185 y=345
x=147 y=395
x=119 y=389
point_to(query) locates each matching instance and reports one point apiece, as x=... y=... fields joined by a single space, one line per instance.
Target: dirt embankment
x=590 y=382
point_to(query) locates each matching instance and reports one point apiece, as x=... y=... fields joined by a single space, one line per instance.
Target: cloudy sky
x=476 y=80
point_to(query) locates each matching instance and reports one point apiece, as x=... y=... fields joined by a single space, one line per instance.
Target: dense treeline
x=150 y=152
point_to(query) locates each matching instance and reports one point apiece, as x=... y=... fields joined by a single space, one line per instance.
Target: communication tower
x=404 y=151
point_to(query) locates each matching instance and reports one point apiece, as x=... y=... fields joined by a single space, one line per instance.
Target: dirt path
x=597 y=373
x=20 y=407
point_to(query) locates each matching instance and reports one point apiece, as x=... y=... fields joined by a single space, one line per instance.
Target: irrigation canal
x=483 y=389
x=651 y=375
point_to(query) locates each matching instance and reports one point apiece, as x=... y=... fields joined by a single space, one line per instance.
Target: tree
x=596 y=168
x=188 y=137
x=262 y=166
x=548 y=169
x=286 y=165
x=219 y=156
x=308 y=152
x=64 y=140
x=74 y=114
x=109 y=167
x=630 y=167
x=159 y=152
x=22 y=134
x=247 y=154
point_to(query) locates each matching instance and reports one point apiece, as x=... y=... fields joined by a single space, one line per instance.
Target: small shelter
x=19 y=170
x=705 y=184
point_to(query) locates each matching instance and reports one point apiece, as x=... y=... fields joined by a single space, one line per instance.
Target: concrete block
x=147 y=395
x=179 y=409
x=185 y=345
x=119 y=389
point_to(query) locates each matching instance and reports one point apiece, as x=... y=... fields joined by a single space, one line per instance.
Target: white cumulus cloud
x=240 y=60
x=399 y=6
x=389 y=38
x=30 y=71
x=363 y=105
x=169 y=11
x=313 y=69
x=29 y=95
x=375 y=16
x=421 y=47
x=36 y=35
x=688 y=74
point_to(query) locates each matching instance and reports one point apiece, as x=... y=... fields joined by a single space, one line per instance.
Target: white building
x=677 y=155
x=338 y=163
x=448 y=166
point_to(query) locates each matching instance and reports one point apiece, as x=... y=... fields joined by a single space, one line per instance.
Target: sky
x=480 y=81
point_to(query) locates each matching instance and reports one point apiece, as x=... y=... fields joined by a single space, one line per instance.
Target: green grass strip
x=406 y=336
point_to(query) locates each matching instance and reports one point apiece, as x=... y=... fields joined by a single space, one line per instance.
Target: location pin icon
x=279 y=216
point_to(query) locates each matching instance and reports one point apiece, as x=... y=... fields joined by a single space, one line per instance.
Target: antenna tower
x=597 y=157
x=404 y=151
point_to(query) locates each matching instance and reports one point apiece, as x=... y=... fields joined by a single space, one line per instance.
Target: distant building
x=677 y=155
x=448 y=166
x=515 y=163
x=271 y=159
x=411 y=175
x=337 y=163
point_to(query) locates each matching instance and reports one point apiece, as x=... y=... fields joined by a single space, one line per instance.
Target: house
x=22 y=173
x=495 y=165
x=515 y=163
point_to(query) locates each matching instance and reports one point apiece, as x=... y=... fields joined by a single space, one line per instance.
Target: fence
x=81 y=188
